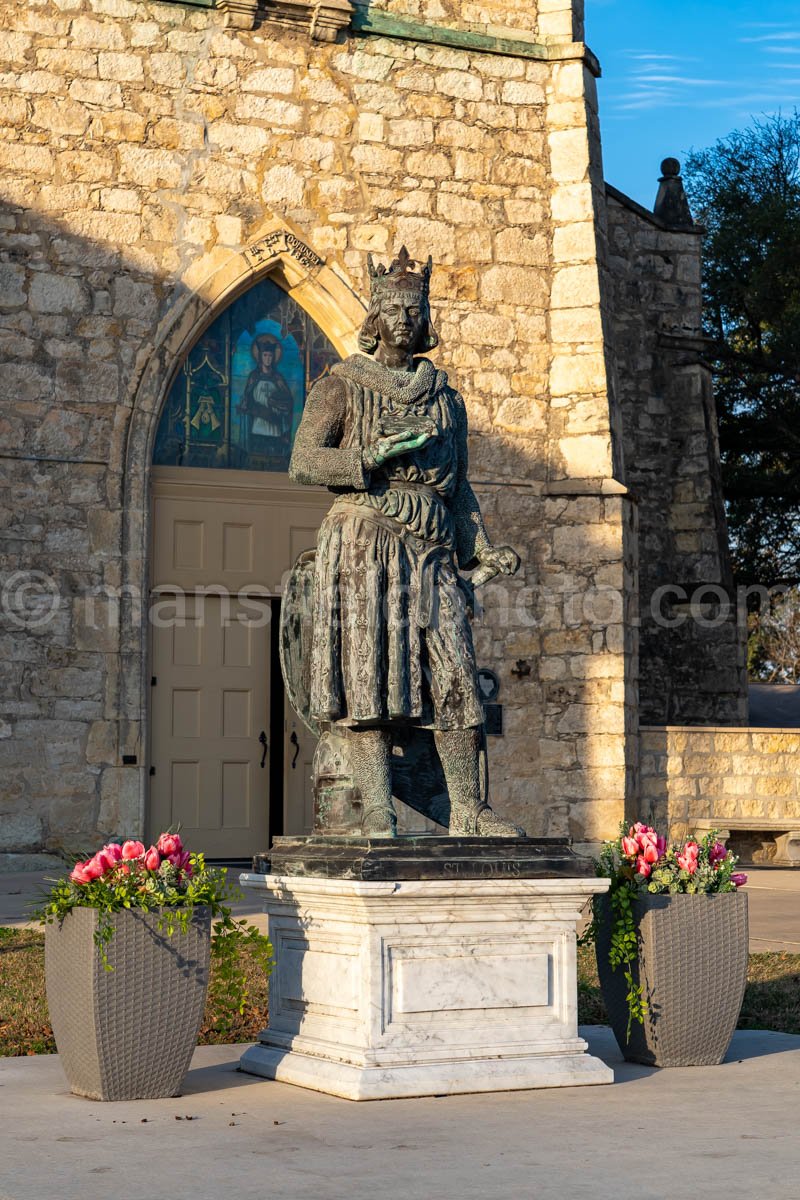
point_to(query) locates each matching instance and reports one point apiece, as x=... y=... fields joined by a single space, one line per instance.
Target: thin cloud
x=641 y=56
x=793 y=36
x=683 y=79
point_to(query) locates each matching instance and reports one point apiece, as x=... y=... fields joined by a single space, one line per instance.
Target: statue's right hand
x=392 y=445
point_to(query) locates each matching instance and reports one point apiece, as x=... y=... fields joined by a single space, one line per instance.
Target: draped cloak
x=391 y=632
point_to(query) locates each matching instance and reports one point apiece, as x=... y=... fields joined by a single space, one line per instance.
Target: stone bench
x=782 y=851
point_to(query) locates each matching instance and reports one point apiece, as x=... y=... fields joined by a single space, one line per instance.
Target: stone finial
x=672 y=206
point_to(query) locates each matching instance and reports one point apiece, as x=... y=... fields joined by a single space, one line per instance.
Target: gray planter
x=126 y=1034
x=693 y=968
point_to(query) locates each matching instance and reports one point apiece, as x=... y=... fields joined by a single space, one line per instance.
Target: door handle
x=294 y=741
x=262 y=737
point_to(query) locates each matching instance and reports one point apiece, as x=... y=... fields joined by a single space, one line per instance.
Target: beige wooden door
x=228 y=537
x=209 y=708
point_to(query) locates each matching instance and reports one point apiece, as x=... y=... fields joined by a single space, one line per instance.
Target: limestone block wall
x=153 y=163
x=692 y=648
x=718 y=773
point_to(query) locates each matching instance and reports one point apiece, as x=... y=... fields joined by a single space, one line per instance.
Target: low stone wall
x=700 y=773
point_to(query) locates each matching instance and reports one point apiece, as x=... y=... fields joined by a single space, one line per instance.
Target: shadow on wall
x=81 y=323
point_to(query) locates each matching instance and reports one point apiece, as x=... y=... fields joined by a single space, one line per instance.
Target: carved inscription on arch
x=280 y=241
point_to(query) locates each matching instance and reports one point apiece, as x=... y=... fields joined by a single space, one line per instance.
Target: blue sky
x=679 y=74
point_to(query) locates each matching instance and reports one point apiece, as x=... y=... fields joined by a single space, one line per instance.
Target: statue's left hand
x=502 y=560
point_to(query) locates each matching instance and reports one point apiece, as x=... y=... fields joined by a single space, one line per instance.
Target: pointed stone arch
x=202 y=293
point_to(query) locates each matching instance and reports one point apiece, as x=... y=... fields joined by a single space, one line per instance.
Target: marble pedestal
x=386 y=989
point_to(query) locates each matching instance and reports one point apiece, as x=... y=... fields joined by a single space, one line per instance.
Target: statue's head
x=399 y=311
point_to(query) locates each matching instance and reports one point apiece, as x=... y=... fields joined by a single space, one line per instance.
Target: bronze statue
x=376 y=639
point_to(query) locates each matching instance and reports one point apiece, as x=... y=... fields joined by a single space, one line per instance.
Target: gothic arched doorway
x=229 y=761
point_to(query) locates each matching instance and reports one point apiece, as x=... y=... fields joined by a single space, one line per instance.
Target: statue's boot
x=379 y=821
x=370 y=752
x=480 y=821
x=470 y=815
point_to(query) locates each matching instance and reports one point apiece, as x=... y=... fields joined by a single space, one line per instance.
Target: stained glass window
x=239 y=396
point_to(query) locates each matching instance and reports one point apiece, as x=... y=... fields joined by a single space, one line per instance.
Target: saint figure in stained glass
x=267 y=403
x=238 y=399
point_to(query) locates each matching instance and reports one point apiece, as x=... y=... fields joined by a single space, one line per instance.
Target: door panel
x=223 y=529
x=209 y=706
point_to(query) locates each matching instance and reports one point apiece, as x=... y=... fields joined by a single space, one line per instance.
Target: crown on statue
x=399 y=276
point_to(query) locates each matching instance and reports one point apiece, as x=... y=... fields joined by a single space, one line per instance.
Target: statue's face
x=401 y=322
x=266 y=360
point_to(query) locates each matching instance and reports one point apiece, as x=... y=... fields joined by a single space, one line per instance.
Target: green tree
x=773 y=648
x=746 y=191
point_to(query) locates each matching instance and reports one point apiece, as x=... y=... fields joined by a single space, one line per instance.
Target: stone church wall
x=692 y=647
x=720 y=774
x=144 y=147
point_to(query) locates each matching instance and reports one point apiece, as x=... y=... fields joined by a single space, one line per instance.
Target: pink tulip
x=132 y=850
x=93 y=869
x=739 y=880
x=686 y=863
x=647 y=839
x=186 y=862
x=649 y=853
x=152 y=859
x=78 y=874
x=105 y=860
x=643 y=867
x=169 y=843
x=630 y=847
x=661 y=845
x=113 y=850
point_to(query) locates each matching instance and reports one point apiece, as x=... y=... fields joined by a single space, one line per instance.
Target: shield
x=296 y=631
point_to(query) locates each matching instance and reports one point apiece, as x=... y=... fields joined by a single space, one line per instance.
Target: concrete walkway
x=724 y=1131
x=774 y=906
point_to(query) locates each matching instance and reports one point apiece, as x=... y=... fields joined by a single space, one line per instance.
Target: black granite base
x=425 y=857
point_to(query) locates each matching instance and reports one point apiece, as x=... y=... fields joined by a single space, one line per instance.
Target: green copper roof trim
x=372 y=20
x=193 y=3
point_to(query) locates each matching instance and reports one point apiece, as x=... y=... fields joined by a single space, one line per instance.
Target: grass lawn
x=772 y=999
x=24 y=1023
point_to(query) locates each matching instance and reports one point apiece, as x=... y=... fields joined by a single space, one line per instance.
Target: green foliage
x=773 y=643
x=746 y=191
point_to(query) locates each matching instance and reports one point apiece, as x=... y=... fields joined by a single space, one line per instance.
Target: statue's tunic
x=391 y=633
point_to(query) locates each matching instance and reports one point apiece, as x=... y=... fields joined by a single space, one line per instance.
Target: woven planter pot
x=693 y=968
x=127 y=1034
